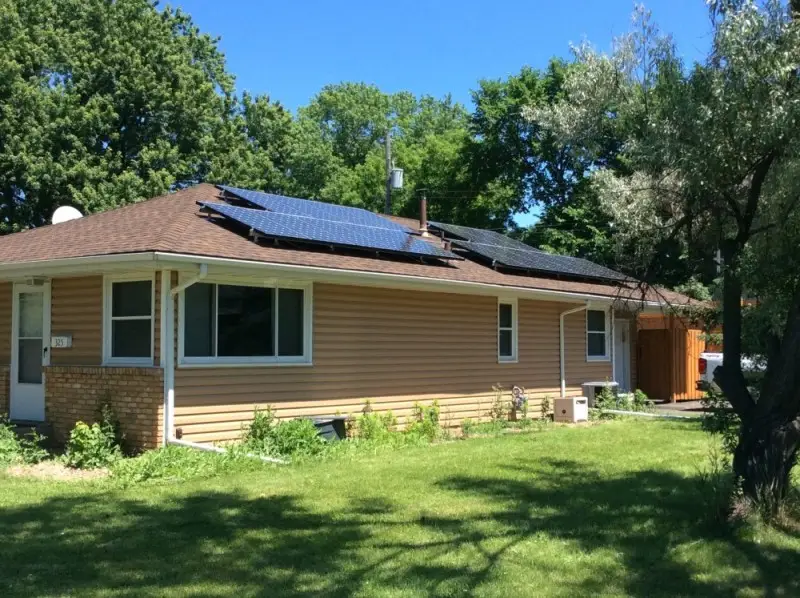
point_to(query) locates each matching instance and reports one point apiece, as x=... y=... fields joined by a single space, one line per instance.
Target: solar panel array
x=314 y=209
x=294 y=227
x=479 y=235
x=511 y=253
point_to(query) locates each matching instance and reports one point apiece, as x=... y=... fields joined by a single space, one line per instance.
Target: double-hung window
x=507 y=331
x=236 y=324
x=597 y=335
x=128 y=327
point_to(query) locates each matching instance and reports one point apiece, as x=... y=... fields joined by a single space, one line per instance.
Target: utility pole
x=387 y=208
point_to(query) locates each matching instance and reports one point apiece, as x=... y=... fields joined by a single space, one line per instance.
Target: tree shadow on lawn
x=222 y=543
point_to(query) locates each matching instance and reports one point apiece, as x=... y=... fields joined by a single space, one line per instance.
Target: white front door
x=30 y=351
x=622 y=355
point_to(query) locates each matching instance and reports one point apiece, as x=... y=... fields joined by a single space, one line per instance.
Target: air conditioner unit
x=571 y=410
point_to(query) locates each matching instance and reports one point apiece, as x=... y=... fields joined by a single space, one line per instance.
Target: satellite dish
x=65 y=213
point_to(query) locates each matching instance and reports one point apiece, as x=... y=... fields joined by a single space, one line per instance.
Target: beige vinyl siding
x=5 y=323
x=394 y=348
x=76 y=308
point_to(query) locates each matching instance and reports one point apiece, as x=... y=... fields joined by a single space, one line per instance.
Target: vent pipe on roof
x=423 y=215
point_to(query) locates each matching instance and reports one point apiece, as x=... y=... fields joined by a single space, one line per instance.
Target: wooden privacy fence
x=667 y=361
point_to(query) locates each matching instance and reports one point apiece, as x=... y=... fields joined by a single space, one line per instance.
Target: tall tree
x=103 y=103
x=713 y=152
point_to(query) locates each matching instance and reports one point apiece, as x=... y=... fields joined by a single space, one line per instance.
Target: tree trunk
x=764 y=458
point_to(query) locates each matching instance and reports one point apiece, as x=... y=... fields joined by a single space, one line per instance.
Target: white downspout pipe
x=168 y=295
x=562 y=349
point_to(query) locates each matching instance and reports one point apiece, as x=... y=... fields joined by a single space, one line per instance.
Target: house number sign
x=61 y=342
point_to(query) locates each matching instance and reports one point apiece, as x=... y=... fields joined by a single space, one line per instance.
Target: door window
x=31 y=338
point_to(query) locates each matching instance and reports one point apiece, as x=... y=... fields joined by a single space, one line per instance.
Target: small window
x=596 y=335
x=506 y=331
x=129 y=323
x=242 y=324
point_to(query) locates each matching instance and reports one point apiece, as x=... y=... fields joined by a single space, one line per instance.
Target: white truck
x=752 y=367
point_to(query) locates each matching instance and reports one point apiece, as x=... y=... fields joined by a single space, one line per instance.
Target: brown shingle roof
x=173 y=224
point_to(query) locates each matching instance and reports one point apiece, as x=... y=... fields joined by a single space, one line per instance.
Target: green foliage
x=259 y=431
x=296 y=437
x=607 y=400
x=91 y=447
x=721 y=422
x=375 y=426
x=177 y=463
x=268 y=436
x=104 y=103
x=498 y=411
x=545 y=407
x=425 y=422
x=467 y=427
x=15 y=449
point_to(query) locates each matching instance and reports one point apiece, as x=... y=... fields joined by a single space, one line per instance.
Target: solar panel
x=540 y=261
x=326 y=232
x=485 y=237
x=314 y=209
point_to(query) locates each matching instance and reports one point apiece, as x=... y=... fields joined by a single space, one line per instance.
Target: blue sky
x=291 y=49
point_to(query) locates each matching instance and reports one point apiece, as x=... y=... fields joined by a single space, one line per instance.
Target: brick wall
x=4 y=389
x=137 y=395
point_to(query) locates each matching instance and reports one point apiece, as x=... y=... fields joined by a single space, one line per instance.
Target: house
x=188 y=310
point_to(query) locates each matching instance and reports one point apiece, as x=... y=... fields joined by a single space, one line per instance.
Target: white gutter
x=561 y=347
x=201 y=274
x=150 y=259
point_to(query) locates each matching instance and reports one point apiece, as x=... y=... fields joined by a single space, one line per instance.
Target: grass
x=611 y=509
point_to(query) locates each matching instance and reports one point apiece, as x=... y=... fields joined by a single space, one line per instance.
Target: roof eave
x=178 y=261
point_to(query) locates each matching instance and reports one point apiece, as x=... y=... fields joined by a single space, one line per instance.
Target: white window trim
x=262 y=361
x=108 y=281
x=514 y=357
x=607 y=333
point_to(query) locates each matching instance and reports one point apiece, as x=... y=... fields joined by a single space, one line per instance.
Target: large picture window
x=225 y=323
x=597 y=335
x=129 y=322
x=507 y=331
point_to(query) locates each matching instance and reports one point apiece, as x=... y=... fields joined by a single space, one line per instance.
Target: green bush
x=467 y=427
x=91 y=447
x=267 y=435
x=375 y=426
x=15 y=449
x=425 y=422
x=259 y=432
x=296 y=437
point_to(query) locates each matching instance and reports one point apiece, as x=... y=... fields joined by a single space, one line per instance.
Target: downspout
x=562 y=349
x=168 y=295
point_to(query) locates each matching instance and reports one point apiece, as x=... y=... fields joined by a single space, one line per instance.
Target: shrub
x=545 y=407
x=259 y=432
x=267 y=435
x=110 y=424
x=375 y=426
x=90 y=447
x=467 y=427
x=16 y=449
x=641 y=402
x=498 y=410
x=296 y=437
x=426 y=422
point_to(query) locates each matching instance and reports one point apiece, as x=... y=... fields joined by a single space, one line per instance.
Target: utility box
x=571 y=410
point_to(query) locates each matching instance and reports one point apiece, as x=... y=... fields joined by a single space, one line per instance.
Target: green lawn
x=612 y=509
